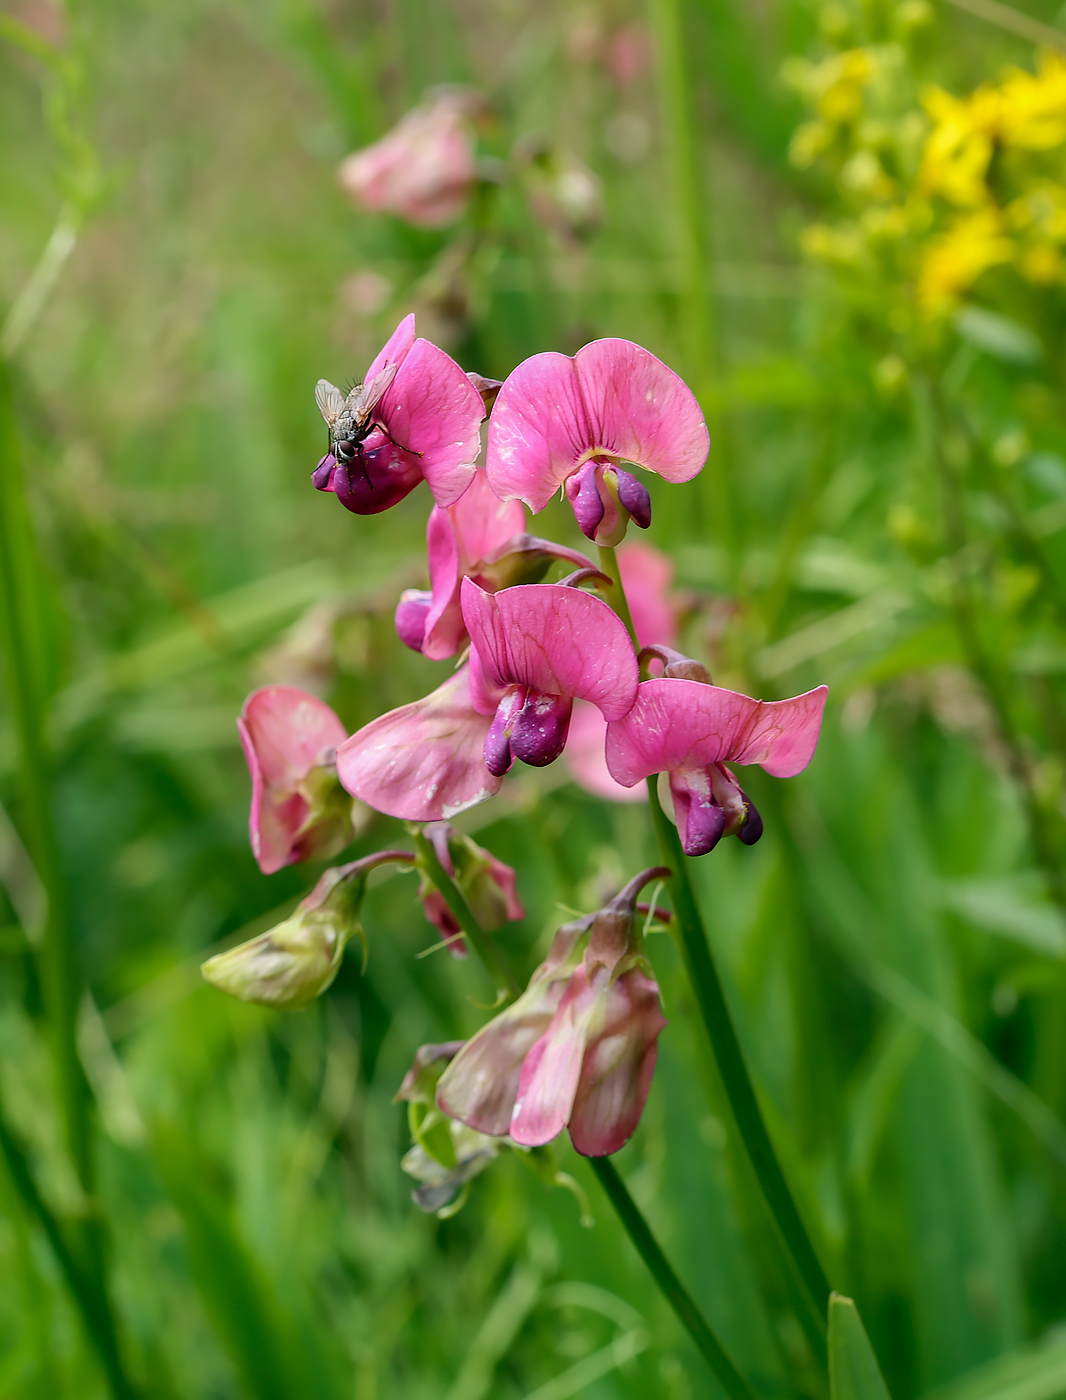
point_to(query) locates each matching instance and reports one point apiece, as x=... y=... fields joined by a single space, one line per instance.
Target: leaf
x=998 y=335
x=853 y=1370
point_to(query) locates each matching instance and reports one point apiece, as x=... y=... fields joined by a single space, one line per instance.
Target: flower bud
x=487 y=885
x=605 y=498
x=412 y=612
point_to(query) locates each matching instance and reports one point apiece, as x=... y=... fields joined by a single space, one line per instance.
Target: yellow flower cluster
x=941 y=190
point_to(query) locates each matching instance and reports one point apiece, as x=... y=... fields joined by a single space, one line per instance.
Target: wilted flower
x=423 y=761
x=424 y=168
x=687 y=730
x=571 y=422
x=487 y=885
x=299 y=809
x=416 y=415
x=296 y=961
x=480 y=537
x=540 y=646
x=578 y=1047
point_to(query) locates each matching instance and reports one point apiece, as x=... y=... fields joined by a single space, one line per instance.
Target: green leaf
x=853 y=1370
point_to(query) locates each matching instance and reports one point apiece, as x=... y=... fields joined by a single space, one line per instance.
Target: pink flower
x=689 y=730
x=538 y=647
x=646 y=577
x=299 y=811
x=576 y=1050
x=487 y=884
x=570 y=422
x=423 y=169
x=424 y=761
x=415 y=416
x=480 y=537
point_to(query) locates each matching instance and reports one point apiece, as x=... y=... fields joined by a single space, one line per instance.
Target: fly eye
x=345 y=450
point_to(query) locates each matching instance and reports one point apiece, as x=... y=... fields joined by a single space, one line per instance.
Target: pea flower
x=540 y=646
x=480 y=537
x=646 y=576
x=487 y=884
x=425 y=761
x=576 y=1050
x=687 y=730
x=296 y=961
x=415 y=416
x=562 y=422
x=299 y=809
x=424 y=168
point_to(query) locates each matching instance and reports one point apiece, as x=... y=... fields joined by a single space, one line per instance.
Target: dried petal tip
x=487 y=388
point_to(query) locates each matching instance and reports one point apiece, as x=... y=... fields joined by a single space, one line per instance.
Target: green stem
x=673 y=1290
x=91 y=1303
x=507 y=987
x=734 y=1072
x=617 y=598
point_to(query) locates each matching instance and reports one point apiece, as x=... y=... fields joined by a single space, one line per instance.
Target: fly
x=351 y=420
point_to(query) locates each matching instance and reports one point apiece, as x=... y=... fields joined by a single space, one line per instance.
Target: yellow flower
x=1041 y=263
x=959 y=147
x=809 y=141
x=1034 y=107
x=955 y=260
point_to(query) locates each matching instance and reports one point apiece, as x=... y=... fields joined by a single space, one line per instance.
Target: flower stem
x=617 y=598
x=734 y=1072
x=673 y=1290
x=507 y=987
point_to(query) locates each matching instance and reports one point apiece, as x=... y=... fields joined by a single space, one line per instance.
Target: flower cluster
x=576 y=1050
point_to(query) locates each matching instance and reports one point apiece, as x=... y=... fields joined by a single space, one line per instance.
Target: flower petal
x=550 y=1073
x=683 y=724
x=538 y=431
x=424 y=761
x=289 y=732
x=395 y=349
x=432 y=408
x=554 y=639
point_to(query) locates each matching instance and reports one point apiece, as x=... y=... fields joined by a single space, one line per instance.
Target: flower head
x=424 y=761
x=538 y=647
x=571 y=422
x=299 y=809
x=487 y=885
x=689 y=729
x=415 y=416
x=296 y=961
x=424 y=168
x=578 y=1047
x=480 y=537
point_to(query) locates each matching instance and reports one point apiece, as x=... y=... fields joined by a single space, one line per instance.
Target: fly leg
x=382 y=429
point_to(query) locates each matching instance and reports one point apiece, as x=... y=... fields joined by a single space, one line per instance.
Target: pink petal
x=421 y=170
x=507 y=880
x=424 y=761
x=395 y=349
x=432 y=408
x=483 y=522
x=445 y=629
x=550 y=1073
x=647 y=576
x=617 y=1068
x=684 y=724
x=554 y=639
x=614 y=398
x=584 y=754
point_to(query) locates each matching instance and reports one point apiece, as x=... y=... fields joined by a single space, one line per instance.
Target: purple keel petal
x=539 y=730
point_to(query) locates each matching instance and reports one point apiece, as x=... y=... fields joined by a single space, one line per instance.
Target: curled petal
x=556 y=640
x=552 y=1068
x=613 y=399
x=412 y=611
x=683 y=724
x=432 y=409
x=424 y=761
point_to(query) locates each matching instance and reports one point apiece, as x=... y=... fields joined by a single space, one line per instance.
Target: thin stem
x=618 y=599
x=734 y=1072
x=87 y=1296
x=507 y=987
x=673 y=1290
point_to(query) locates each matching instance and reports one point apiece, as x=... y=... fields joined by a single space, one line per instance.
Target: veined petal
x=424 y=761
x=683 y=724
x=482 y=522
x=539 y=430
x=554 y=639
x=289 y=732
x=552 y=1068
x=432 y=408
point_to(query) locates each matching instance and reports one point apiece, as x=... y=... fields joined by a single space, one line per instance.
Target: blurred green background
x=884 y=510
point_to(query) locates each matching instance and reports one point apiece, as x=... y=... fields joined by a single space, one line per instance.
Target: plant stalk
x=673 y=1290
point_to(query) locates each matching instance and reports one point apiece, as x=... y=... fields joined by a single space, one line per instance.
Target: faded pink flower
x=539 y=647
x=415 y=416
x=299 y=810
x=571 y=422
x=487 y=884
x=423 y=169
x=646 y=577
x=576 y=1050
x=480 y=537
x=687 y=730
x=424 y=761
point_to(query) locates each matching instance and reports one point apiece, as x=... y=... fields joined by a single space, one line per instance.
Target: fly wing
x=364 y=398
x=330 y=400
